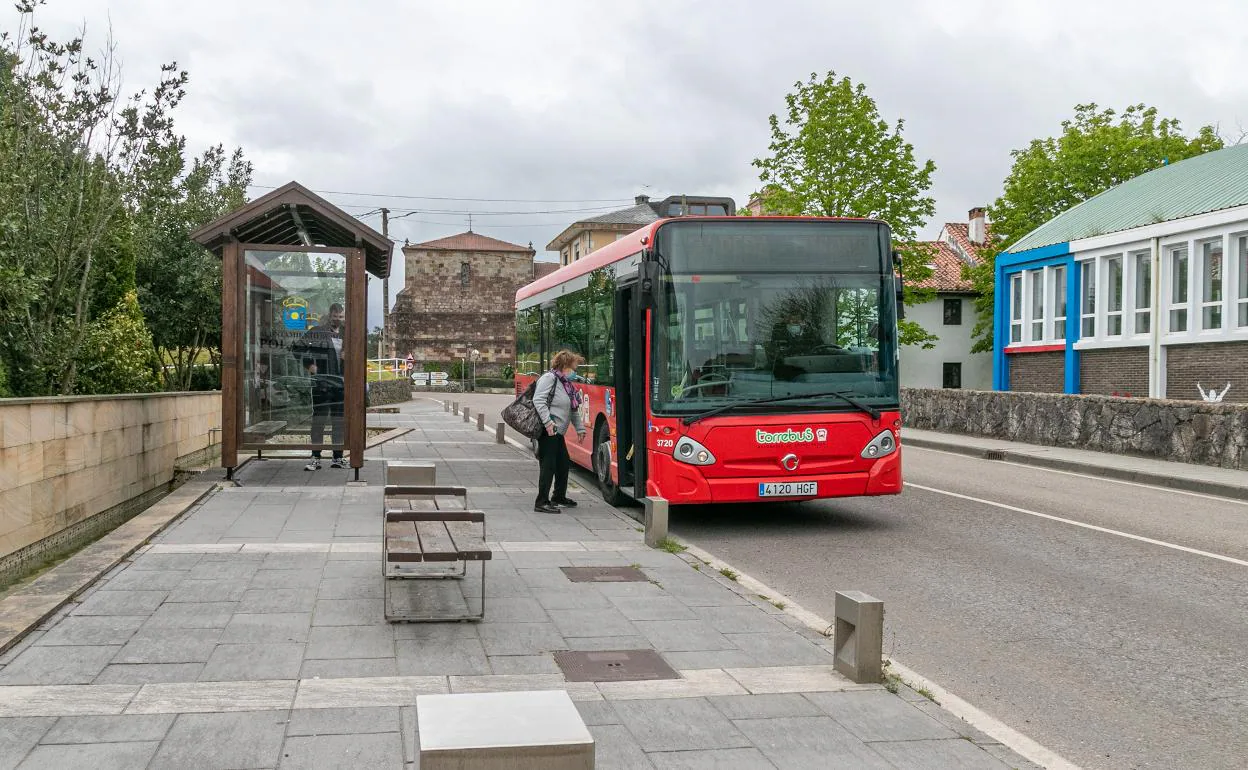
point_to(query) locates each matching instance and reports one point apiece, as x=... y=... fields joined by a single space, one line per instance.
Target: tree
x=1096 y=149
x=179 y=283
x=835 y=156
x=73 y=153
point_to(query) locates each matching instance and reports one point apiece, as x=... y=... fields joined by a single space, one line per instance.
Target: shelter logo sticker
x=821 y=434
x=295 y=314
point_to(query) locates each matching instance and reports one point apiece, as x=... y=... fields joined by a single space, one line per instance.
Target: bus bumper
x=684 y=484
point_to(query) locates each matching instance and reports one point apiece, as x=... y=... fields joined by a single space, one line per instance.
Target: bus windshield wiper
x=875 y=413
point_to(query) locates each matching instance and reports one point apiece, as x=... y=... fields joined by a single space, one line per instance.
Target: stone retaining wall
x=389 y=392
x=1182 y=431
x=64 y=461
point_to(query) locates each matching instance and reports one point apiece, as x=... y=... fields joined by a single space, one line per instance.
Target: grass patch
x=671 y=546
x=926 y=693
x=728 y=574
x=697 y=567
x=892 y=682
x=778 y=604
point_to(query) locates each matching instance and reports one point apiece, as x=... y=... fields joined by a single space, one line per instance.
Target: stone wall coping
x=1223 y=407
x=111 y=397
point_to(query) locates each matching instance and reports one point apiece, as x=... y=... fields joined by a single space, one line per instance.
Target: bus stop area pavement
x=249 y=633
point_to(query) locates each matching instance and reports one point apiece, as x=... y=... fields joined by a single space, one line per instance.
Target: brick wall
x=1116 y=371
x=1212 y=364
x=1038 y=372
x=444 y=311
x=64 y=460
x=1182 y=431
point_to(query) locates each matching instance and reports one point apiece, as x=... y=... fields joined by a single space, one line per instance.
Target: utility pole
x=385 y=289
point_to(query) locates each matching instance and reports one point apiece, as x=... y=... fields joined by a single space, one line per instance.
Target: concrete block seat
x=511 y=730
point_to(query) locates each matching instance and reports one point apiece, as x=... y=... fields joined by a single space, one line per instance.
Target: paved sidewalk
x=250 y=635
x=1206 y=479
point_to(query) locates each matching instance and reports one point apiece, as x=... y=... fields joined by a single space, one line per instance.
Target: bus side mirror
x=901 y=303
x=651 y=273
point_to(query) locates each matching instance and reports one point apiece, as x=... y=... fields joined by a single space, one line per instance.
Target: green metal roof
x=1210 y=182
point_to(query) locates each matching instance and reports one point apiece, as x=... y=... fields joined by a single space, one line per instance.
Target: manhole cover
x=613 y=665
x=605 y=574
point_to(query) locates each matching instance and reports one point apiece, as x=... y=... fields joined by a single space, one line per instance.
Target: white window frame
x=1203 y=304
x=1052 y=281
x=1035 y=278
x=1237 y=291
x=1092 y=270
x=1017 y=306
x=1139 y=306
x=1169 y=252
x=1105 y=313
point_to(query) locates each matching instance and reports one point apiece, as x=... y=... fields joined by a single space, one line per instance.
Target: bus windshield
x=750 y=312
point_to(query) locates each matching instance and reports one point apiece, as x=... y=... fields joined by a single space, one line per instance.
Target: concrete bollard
x=446 y=406
x=858 y=639
x=481 y=421
x=500 y=433
x=465 y=414
x=455 y=408
x=656 y=521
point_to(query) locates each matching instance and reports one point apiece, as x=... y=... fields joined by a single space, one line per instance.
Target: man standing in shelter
x=320 y=351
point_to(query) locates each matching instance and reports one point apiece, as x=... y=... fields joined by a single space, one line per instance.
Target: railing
x=387 y=369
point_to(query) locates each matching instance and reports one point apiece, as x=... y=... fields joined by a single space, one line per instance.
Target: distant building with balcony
x=587 y=235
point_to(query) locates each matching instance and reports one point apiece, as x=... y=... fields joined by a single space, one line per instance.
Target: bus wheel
x=602 y=468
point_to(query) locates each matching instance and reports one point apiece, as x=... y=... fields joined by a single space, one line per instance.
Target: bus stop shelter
x=294 y=304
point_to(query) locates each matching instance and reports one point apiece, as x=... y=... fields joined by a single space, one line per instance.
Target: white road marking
x=1154 y=487
x=1093 y=527
x=981 y=721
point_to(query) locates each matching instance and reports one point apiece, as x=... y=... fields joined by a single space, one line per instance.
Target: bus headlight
x=880 y=446
x=692 y=453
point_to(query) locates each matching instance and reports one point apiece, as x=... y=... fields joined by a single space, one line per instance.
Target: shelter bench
x=262 y=431
x=431 y=526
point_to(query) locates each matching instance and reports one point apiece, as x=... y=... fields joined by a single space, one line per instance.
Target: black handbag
x=522 y=415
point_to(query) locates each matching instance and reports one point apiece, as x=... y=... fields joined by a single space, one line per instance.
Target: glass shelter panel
x=293 y=364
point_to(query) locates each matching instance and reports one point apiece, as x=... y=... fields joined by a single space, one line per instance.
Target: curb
x=31 y=605
x=1183 y=483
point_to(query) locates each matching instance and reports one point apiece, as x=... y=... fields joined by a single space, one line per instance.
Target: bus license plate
x=788 y=489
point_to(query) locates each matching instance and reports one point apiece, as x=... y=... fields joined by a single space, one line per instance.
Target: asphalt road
x=1112 y=651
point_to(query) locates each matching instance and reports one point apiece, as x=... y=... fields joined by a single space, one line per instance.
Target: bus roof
x=637 y=240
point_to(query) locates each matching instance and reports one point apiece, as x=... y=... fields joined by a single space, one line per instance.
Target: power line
x=465 y=212
x=446 y=198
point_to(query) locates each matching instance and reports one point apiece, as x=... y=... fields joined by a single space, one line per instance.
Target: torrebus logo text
x=789 y=436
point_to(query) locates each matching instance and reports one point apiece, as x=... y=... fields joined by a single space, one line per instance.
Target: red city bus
x=729 y=359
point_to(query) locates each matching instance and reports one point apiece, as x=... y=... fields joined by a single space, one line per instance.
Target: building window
x=576 y=252
x=1088 y=291
x=1113 y=290
x=1037 y=304
x=1016 y=308
x=1059 y=302
x=1143 y=266
x=952 y=375
x=1241 y=261
x=1211 y=275
x=953 y=312
x=465 y=275
x=1178 y=290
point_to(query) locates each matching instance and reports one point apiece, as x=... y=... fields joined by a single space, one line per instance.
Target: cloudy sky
x=563 y=108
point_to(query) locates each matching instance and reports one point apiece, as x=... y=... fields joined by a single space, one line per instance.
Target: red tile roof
x=543 y=269
x=947 y=275
x=469 y=241
x=961 y=233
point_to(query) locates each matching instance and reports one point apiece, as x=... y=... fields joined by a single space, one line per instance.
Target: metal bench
x=430 y=526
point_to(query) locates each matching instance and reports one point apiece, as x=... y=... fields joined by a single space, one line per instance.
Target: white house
x=951 y=316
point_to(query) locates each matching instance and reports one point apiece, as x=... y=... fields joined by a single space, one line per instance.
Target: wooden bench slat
x=397 y=489
x=408 y=515
x=468 y=541
x=435 y=541
x=402 y=542
x=411 y=503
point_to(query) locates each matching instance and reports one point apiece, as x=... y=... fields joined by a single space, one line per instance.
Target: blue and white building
x=1141 y=291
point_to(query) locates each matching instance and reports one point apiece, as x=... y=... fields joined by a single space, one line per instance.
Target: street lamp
x=476 y=356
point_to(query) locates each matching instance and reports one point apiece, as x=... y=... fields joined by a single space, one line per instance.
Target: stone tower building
x=459 y=295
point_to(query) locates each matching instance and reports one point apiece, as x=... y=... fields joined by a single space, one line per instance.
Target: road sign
x=430 y=378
